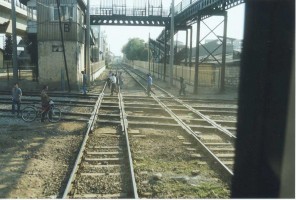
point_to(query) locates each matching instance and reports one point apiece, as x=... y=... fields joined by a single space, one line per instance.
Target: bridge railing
x=183 y=5
x=128 y=11
x=18 y=4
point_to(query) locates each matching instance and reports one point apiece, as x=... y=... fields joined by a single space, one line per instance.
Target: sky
x=118 y=36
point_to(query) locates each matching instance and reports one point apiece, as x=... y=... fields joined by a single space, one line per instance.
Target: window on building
x=66 y=12
x=32 y=14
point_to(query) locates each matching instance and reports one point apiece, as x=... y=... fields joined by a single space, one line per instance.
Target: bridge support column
x=158 y=61
x=222 y=64
x=87 y=45
x=165 y=54
x=172 y=33
x=224 y=53
x=186 y=46
x=153 y=66
x=190 y=54
x=197 y=55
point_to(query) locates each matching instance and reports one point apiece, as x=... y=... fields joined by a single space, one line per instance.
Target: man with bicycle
x=45 y=103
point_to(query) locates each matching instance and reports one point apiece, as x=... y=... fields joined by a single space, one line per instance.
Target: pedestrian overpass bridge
x=117 y=13
x=186 y=13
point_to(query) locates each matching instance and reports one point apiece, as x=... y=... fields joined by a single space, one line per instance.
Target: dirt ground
x=168 y=165
x=34 y=157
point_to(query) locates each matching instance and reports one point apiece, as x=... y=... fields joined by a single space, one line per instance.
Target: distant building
x=233 y=48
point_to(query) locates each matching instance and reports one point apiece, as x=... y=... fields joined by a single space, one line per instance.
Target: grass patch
x=173 y=189
x=185 y=185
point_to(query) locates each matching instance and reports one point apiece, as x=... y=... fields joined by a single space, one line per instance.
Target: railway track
x=117 y=125
x=73 y=108
x=222 y=112
x=104 y=167
x=216 y=141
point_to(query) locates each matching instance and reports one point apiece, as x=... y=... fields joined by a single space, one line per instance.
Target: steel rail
x=124 y=125
x=67 y=113
x=207 y=100
x=90 y=126
x=91 y=123
x=227 y=173
x=213 y=123
x=33 y=100
x=56 y=94
x=190 y=131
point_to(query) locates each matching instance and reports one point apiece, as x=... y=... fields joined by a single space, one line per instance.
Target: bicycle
x=30 y=113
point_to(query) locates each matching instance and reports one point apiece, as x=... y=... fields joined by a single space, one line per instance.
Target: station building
x=45 y=29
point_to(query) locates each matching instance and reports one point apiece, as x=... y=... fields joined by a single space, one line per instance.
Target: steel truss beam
x=211 y=53
x=129 y=20
x=205 y=9
x=186 y=14
x=221 y=40
x=166 y=33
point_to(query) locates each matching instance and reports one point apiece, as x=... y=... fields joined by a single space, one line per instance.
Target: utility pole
x=87 y=45
x=172 y=43
x=14 y=42
x=149 y=51
x=99 y=42
x=63 y=45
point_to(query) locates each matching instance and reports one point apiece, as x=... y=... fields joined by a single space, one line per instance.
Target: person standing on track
x=44 y=102
x=84 y=79
x=120 y=80
x=109 y=79
x=113 y=83
x=16 y=98
x=149 y=84
x=182 y=87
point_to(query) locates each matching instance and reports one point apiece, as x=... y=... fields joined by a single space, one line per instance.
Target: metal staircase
x=186 y=13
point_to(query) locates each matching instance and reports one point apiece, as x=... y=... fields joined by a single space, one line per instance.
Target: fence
x=24 y=72
x=208 y=74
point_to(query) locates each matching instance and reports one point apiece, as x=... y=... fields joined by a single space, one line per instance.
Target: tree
x=135 y=49
x=8 y=48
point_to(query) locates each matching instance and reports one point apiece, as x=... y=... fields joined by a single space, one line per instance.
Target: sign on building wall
x=67 y=27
